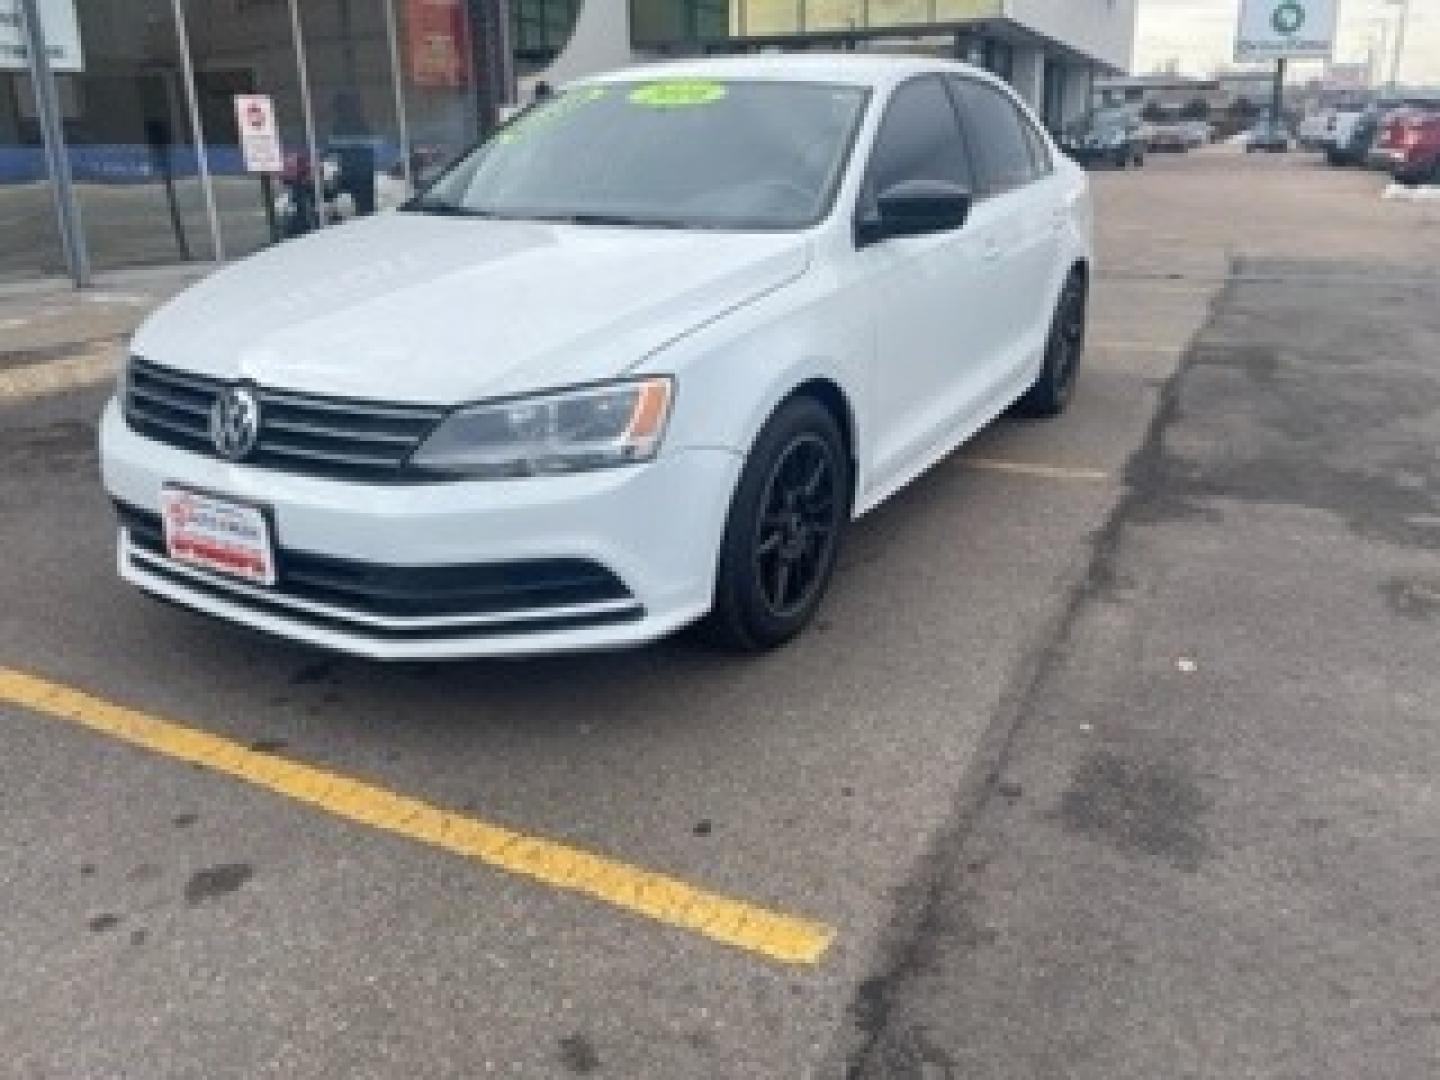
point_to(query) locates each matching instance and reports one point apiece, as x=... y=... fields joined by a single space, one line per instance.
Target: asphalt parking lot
x=1113 y=753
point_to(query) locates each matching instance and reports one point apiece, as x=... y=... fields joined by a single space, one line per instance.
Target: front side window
x=994 y=126
x=919 y=140
x=679 y=153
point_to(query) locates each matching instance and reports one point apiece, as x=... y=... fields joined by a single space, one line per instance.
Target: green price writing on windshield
x=677 y=94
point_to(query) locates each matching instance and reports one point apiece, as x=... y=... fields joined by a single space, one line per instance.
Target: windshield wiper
x=445 y=209
x=620 y=220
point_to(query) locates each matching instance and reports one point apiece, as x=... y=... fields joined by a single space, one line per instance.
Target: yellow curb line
x=664 y=899
x=98 y=365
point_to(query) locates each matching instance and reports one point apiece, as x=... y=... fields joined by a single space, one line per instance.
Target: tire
x=1139 y=161
x=783 y=532
x=1121 y=160
x=1055 y=386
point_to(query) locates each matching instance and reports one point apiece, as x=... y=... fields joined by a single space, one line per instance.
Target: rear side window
x=919 y=139
x=997 y=131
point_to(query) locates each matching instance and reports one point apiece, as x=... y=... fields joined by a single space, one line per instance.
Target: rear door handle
x=990 y=250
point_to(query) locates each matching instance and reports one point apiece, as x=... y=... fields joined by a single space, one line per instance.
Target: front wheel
x=1052 y=391
x=783 y=531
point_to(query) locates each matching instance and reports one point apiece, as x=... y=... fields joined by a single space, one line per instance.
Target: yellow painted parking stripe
x=1026 y=468
x=667 y=900
x=96 y=365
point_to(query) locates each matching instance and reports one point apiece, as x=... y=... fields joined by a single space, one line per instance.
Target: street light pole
x=1277 y=96
x=1400 y=26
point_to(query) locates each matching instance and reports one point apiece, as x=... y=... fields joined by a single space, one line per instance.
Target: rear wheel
x=783 y=532
x=1052 y=391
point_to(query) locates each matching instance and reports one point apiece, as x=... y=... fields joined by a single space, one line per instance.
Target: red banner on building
x=439 y=42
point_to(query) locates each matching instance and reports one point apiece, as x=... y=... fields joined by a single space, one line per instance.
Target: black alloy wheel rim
x=796 y=528
x=1068 y=339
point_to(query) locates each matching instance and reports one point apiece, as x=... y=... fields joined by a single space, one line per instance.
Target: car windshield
x=677 y=153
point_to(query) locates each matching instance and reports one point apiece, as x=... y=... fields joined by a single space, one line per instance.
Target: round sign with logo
x=1288 y=17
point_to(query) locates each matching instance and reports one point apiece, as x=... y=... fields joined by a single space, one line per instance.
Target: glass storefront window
x=247 y=48
x=31 y=246
x=437 y=76
x=128 y=137
x=539 y=30
x=357 y=130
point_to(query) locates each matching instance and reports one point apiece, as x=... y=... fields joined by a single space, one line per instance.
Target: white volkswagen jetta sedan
x=633 y=362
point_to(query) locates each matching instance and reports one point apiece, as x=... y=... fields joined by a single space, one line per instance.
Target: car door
x=931 y=295
x=1021 y=208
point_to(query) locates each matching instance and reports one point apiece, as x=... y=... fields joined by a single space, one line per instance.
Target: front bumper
x=656 y=528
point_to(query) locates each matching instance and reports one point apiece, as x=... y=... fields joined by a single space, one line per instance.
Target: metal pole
x=317 y=179
x=396 y=75
x=1277 y=100
x=52 y=134
x=505 y=52
x=1399 y=44
x=202 y=155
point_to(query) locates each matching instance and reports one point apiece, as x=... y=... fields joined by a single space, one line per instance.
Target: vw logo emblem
x=235 y=422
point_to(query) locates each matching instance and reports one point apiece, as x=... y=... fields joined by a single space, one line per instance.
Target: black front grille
x=299 y=433
x=418 y=591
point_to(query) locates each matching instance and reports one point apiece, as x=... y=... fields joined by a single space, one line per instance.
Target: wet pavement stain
x=1270 y=413
x=1149 y=808
x=1413 y=598
x=102 y=923
x=62 y=446
x=912 y=1055
x=578 y=1054
x=184 y=821
x=215 y=881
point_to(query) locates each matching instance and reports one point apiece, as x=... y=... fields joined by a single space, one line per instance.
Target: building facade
x=143 y=127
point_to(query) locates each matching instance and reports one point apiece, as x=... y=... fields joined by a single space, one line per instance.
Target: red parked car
x=1409 y=146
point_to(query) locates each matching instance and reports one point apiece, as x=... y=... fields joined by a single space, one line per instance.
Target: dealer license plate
x=216 y=534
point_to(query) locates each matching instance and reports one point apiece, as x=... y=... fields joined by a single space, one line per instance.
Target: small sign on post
x=1285 y=30
x=259 y=136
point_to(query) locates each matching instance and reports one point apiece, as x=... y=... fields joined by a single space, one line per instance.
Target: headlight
x=594 y=427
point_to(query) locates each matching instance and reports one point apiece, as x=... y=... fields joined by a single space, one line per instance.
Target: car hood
x=418 y=308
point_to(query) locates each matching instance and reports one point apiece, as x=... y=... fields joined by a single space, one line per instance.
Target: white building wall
x=1101 y=29
x=600 y=42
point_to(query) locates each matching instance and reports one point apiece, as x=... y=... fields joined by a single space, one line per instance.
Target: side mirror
x=914 y=208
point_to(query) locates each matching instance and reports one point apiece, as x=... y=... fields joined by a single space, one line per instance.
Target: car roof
x=859 y=69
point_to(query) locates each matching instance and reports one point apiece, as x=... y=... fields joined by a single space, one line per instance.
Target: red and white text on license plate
x=217 y=535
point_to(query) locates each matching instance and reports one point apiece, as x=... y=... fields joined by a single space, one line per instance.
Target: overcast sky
x=1200 y=35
